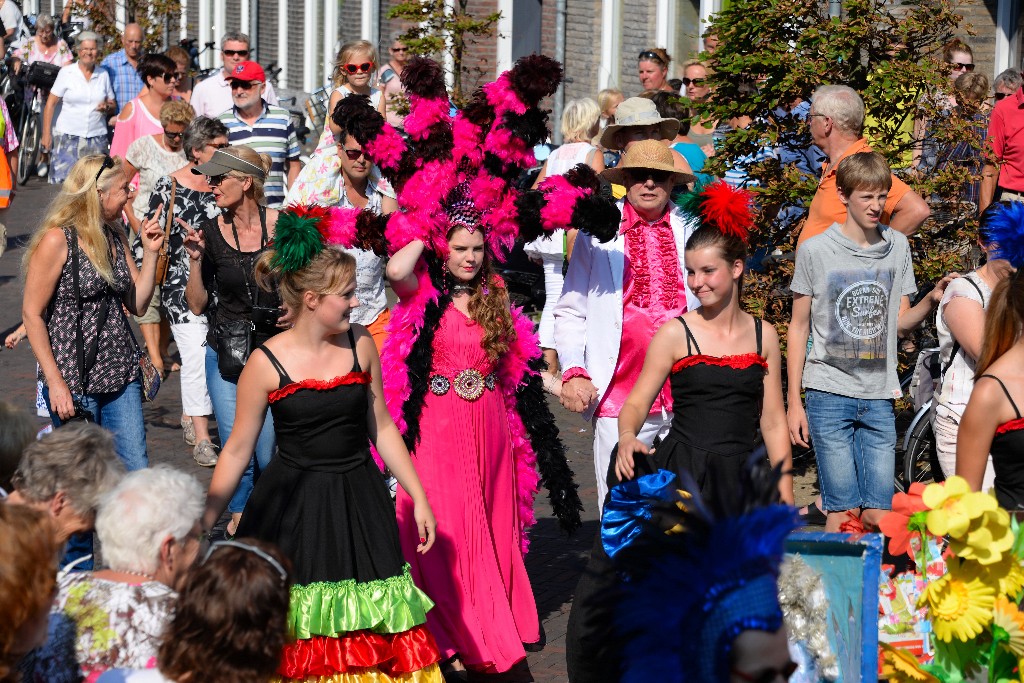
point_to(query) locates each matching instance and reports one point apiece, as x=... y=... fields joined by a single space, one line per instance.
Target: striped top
x=271 y=134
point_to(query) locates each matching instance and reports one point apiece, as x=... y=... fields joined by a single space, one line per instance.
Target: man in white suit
x=617 y=294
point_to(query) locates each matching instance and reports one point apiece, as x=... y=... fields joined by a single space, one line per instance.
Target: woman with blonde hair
x=222 y=283
x=354 y=606
x=79 y=272
x=580 y=124
x=320 y=179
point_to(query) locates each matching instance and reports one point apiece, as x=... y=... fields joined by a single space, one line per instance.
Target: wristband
x=574 y=372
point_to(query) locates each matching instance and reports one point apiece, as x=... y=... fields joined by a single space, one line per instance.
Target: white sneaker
x=205 y=453
x=42 y=169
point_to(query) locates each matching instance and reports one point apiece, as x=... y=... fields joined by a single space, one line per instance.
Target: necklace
x=457 y=289
x=149 y=577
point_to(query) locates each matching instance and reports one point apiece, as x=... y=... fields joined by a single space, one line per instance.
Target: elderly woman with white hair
x=149 y=533
x=65 y=474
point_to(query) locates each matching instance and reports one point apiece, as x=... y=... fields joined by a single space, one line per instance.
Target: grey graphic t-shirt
x=855 y=301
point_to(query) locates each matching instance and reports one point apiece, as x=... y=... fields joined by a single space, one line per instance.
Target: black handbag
x=237 y=338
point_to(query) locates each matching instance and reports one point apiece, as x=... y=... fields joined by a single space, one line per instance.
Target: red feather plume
x=728 y=208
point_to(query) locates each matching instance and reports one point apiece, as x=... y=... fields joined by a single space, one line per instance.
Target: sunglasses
x=696 y=81
x=175 y=136
x=107 y=163
x=352 y=154
x=959 y=66
x=1000 y=95
x=399 y=49
x=216 y=180
x=768 y=675
x=250 y=549
x=647 y=55
x=243 y=85
x=168 y=77
x=640 y=175
x=236 y=53
x=359 y=68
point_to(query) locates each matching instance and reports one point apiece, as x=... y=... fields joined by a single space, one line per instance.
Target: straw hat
x=638 y=111
x=651 y=155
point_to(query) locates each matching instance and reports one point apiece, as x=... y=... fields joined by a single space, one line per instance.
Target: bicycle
x=38 y=79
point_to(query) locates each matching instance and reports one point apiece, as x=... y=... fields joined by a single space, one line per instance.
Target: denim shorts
x=854 y=441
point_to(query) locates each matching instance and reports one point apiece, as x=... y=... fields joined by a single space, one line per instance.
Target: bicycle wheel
x=920 y=462
x=28 y=152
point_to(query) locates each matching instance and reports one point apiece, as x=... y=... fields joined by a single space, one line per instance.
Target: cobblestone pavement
x=554 y=562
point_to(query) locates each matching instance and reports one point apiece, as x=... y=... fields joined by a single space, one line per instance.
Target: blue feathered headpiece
x=1002 y=224
x=694 y=580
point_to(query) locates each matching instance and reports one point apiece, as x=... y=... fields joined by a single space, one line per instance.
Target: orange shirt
x=826 y=208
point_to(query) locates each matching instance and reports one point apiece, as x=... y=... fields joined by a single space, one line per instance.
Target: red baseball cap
x=249 y=71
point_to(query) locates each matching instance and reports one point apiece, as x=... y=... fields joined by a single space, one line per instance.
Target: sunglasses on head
x=768 y=675
x=352 y=154
x=647 y=55
x=359 y=68
x=640 y=175
x=695 y=81
x=243 y=85
x=107 y=163
x=960 y=66
x=236 y=53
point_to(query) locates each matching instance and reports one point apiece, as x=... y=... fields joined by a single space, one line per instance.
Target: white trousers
x=945 y=426
x=190 y=338
x=606 y=435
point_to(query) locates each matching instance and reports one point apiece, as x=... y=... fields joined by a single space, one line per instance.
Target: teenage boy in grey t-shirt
x=852 y=287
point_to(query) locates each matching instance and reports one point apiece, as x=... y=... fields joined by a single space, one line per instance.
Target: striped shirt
x=271 y=134
x=123 y=76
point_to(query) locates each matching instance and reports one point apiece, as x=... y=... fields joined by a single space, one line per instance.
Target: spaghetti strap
x=689 y=338
x=285 y=379
x=355 y=355
x=757 y=333
x=1005 y=391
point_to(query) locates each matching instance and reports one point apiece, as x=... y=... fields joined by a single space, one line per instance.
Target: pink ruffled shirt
x=654 y=291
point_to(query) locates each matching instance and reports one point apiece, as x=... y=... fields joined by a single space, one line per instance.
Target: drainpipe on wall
x=835 y=8
x=559 y=104
x=254 y=27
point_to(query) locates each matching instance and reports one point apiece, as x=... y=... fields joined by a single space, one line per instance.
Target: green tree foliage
x=441 y=28
x=152 y=15
x=888 y=51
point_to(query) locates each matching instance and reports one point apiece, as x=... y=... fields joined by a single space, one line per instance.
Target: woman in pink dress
x=485 y=608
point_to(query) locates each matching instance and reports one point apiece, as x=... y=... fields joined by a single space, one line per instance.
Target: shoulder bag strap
x=79 y=345
x=956 y=344
x=170 y=217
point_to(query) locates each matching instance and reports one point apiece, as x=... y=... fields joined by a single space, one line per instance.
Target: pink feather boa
x=424 y=113
x=467 y=136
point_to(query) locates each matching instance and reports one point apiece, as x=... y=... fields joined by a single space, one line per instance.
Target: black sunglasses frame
x=236 y=53
x=107 y=163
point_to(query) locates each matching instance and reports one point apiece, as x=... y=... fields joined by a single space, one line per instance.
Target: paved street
x=554 y=562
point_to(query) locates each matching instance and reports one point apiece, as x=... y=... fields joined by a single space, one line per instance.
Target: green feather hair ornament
x=297 y=239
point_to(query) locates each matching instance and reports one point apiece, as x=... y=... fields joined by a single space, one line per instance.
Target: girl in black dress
x=724 y=367
x=354 y=609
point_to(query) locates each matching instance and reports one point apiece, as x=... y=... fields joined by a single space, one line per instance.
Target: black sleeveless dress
x=716 y=408
x=354 y=608
x=1008 y=458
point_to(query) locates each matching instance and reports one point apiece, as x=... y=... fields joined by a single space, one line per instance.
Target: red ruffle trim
x=319 y=384
x=739 y=362
x=393 y=654
x=1011 y=426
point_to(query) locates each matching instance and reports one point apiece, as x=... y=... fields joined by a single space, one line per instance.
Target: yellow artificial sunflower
x=988 y=537
x=1007 y=617
x=952 y=505
x=959 y=603
x=1006 y=576
x=901 y=666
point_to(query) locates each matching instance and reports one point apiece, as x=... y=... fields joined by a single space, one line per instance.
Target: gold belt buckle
x=469 y=384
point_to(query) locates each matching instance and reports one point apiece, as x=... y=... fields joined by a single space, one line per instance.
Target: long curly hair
x=489 y=306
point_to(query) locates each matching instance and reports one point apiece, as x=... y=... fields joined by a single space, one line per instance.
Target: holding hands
x=578 y=394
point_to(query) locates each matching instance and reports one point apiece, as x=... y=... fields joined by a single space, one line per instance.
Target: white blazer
x=588 y=316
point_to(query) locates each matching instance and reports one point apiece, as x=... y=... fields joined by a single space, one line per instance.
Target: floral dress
x=97 y=624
